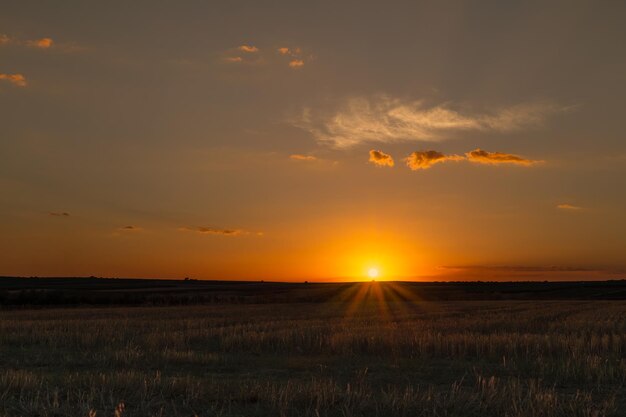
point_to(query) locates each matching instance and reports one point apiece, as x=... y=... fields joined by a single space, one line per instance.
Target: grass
x=350 y=358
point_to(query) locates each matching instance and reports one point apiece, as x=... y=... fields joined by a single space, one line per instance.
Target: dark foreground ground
x=110 y=291
x=369 y=350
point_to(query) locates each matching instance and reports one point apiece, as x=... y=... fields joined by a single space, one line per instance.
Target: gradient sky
x=313 y=140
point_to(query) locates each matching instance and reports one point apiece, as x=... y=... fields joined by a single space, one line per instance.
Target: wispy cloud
x=214 y=231
x=43 y=43
x=252 y=55
x=294 y=52
x=420 y=160
x=426 y=159
x=519 y=273
x=59 y=214
x=248 y=49
x=15 y=79
x=380 y=158
x=497 y=158
x=248 y=55
x=46 y=43
x=297 y=58
x=296 y=63
x=570 y=207
x=233 y=59
x=384 y=119
x=300 y=157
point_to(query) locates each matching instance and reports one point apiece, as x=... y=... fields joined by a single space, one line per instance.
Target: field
x=362 y=353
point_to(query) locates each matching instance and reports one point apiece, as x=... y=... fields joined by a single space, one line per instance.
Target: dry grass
x=513 y=359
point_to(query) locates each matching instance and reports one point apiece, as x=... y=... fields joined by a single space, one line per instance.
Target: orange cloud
x=380 y=158
x=299 y=157
x=16 y=79
x=566 y=206
x=233 y=59
x=296 y=63
x=42 y=43
x=248 y=48
x=295 y=52
x=426 y=159
x=496 y=158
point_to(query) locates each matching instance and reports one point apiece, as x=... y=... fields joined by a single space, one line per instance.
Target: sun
x=373 y=273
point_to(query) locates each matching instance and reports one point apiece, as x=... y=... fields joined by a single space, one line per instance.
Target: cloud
x=569 y=207
x=248 y=48
x=245 y=54
x=296 y=60
x=254 y=56
x=293 y=52
x=426 y=159
x=233 y=59
x=296 y=63
x=16 y=79
x=526 y=273
x=299 y=157
x=380 y=158
x=214 y=231
x=42 y=43
x=384 y=119
x=130 y=228
x=59 y=214
x=496 y=158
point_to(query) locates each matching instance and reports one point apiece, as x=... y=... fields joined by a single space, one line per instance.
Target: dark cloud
x=59 y=213
x=531 y=273
x=215 y=231
x=518 y=268
x=130 y=228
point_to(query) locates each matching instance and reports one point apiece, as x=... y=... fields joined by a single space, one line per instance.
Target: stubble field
x=351 y=357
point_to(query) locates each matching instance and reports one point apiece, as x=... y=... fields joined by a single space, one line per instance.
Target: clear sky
x=313 y=140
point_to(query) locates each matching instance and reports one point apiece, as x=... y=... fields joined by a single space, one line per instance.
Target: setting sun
x=373 y=273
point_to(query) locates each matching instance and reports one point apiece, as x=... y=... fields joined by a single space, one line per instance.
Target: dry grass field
x=360 y=356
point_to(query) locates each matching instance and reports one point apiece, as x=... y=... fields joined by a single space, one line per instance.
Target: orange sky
x=310 y=142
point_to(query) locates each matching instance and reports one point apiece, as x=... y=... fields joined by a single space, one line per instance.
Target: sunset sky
x=313 y=140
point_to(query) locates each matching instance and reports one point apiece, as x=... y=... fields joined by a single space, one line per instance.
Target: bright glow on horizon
x=373 y=273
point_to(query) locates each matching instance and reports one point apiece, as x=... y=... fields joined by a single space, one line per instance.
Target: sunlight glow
x=373 y=273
